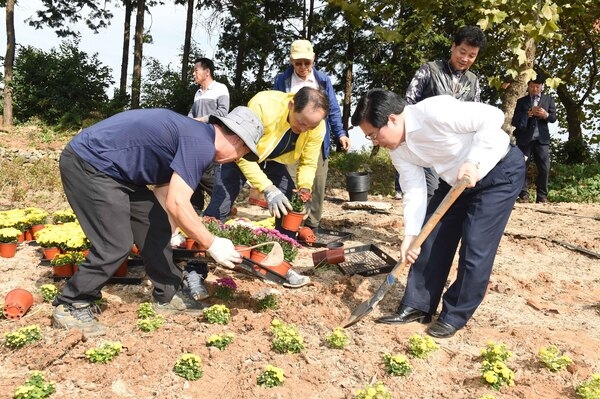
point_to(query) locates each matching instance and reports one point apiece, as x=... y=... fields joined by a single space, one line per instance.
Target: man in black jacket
x=532 y=114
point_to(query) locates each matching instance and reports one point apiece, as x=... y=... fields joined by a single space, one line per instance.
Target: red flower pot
x=243 y=250
x=63 y=270
x=35 y=228
x=8 y=249
x=292 y=220
x=50 y=253
x=280 y=269
x=306 y=235
x=122 y=270
x=16 y=303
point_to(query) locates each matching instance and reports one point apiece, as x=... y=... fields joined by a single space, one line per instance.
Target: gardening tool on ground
x=366 y=307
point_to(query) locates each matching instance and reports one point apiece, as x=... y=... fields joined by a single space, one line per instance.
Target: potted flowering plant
x=62 y=265
x=293 y=219
x=63 y=216
x=288 y=245
x=8 y=241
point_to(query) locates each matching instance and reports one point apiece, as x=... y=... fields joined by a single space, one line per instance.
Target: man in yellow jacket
x=294 y=131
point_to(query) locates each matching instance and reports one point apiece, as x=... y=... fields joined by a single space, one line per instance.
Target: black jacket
x=525 y=126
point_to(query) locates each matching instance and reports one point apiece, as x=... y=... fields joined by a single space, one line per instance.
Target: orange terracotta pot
x=243 y=250
x=280 y=269
x=35 y=228
x=16 y=303
x=189 y=243
x=8 y=249
x=306 y=235
x=50 y=253
x=292 y=221
x=122 y=270
x=63 y=271
x=135 y=250
x=21 y=238
x=28 y=235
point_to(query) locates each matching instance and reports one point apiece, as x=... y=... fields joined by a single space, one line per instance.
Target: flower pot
x=50 y=253
x=135 y=250
x=333 y=255
x=122 y=270
x=257 y=198
x=21 y=238
x=358 y=185
x=189 y=243
x=35 y=228
x=63 y=270
x=280 y=269
x=16 y=303
x=292 y=220
x=306 y=235
x=28 y=235
x=8 y=249
x=243 y=250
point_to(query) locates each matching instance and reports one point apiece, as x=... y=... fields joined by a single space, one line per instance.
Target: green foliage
x=217 y=314
x=36 y=387
x=380 y=166
x=21 y=181
x=148 y=319
x=286 y=338
x=338 y=339
x=590 y=389
x=220 y=341
x=271 y=377
x=421 y=346
x=374 y=391
x=23 y=336
x=49 y=292
x=70 y=86
x=495 y=352
x=497 y=374
x=104 y=353
x=163 y=88
x=574 y=183
x=553 y=359
x=396 y=365
x=189 y=366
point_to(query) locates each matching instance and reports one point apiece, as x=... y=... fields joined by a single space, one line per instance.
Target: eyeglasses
x=302 y=63
x=372 y=136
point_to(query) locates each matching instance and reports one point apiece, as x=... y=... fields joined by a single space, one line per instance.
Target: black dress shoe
x=441 y=329
x=405 y=315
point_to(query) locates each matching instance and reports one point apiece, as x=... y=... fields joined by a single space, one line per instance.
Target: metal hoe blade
x=367 y=307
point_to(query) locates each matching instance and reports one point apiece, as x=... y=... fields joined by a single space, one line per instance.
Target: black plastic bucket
x=358 y=185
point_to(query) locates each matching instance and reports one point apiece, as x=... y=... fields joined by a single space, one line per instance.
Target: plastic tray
x=325 y=237
x=366 y=260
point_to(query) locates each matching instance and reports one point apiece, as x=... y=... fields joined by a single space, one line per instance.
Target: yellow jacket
x=272 y=108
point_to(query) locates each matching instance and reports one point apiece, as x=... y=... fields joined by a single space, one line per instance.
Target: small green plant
x=217 y=314
x=553 y=359
x=49 y=292
x=299 y=199
x=286 y=338
x=271 y=377
x=337 y=339
x=148 y=320
x=225 y=288
x=23 y=336
x=189 y=366
x=220 y=340
x=590 y=388
x=421 y=346
x=267 y=298
x=374 y=391
x=497 y=374
x=36 y=387
x=104 y=353
x=397 y=365
x=494 y=351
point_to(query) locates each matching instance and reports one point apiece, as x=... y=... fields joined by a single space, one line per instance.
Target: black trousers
x=114 y=215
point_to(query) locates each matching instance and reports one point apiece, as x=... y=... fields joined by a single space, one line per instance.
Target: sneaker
x=398 y=195
x=181 y=302
x=295 y=280
x=523 y=199
x=195 y=284
x=78 y=315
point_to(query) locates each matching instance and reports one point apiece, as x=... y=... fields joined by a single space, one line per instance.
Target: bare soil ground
x=544 y=290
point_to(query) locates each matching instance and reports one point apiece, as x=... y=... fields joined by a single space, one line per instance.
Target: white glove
x=224 y=253
x=177 y=240
x=277 y=201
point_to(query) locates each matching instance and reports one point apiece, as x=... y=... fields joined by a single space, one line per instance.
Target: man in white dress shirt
x=454 y=138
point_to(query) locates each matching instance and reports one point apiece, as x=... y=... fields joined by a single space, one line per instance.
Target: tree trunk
x=348 y=81
x=187 y=41
x=9 y=61
x=572 y=110
x=126 y=37
x=136 y=83
x=311 y=10
x=517 y=88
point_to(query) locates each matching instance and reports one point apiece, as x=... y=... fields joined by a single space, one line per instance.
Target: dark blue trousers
x=229 y=181
x=478 y=218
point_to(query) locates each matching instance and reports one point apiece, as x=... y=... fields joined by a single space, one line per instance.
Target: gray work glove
x=277 y=201
x=223 y=252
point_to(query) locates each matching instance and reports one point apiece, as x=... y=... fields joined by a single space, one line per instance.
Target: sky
x=167 y=27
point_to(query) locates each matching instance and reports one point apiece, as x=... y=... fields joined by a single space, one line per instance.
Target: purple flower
x=227 y=282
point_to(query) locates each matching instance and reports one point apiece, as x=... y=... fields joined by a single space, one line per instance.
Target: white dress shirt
x=443 y=133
